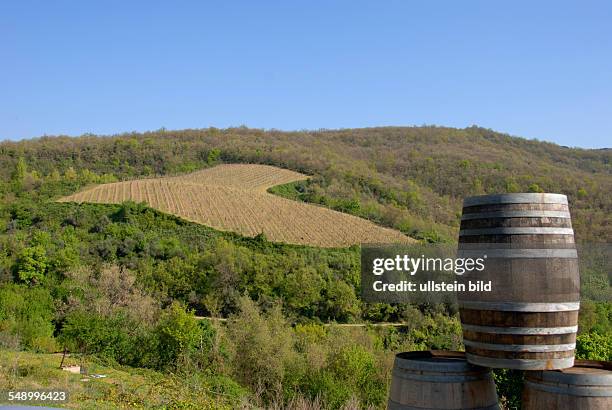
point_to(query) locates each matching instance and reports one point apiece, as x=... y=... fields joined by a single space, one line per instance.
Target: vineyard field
x=233 y=197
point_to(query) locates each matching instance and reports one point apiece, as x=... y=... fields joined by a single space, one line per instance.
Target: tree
x=32 y=264
x=262 y=346
x=107 y=336
x=20 y=171
x=341 y=302
x=213 y=156
x=302 y=289
x=178 y=334
x=70 y=174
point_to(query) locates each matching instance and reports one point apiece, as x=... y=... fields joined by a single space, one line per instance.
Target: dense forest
x=126 y=286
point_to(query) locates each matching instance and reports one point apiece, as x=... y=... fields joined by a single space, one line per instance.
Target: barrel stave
x=510 y=207
x=520 y=339
x=498 y=354
x=523 y=239
x=516 y=222
x=519 y=319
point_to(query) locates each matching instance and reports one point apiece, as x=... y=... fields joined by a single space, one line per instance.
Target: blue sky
x=534 y=69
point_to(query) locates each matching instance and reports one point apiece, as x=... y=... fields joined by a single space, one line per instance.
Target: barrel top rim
x=596 y=373
x=605 y=367
x=431 y=354
x=434 y=360
x=516 y=198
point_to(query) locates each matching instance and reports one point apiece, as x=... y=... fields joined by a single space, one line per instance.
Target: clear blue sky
x=538 y=69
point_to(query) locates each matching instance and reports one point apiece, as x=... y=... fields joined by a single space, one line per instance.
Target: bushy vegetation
x=126 y=285
x=413 y=179
x=123 y=387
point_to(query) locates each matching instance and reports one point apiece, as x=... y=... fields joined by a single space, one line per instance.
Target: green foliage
x=509 y=385
x=512 y=186
x=293 y=190
x=535 y=188
x=393 y=173
x=595 y=317
x=97 y=275
x=594 y=346
x=32 y=264
x=436 y=331
x=334 y=391
x=124 y=387
x=340 y=301
x=356 y=369
x=70 y=174
x=261 y=347
x=27 y=313
x=302 y=289
x=213 y=156
x=20 y=171
x=108 y=337
x=595 y=267
x=178 y=334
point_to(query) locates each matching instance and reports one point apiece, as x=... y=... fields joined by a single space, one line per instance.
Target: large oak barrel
x=587 y=385
x=529 y=318
x=440 y=380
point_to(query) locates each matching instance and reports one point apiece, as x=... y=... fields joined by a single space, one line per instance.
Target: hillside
x=233 y=197
x=123 y=286
x=411 y=179
x=120 y=388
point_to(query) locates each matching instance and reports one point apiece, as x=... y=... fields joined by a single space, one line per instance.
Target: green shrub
x=335 y=392
x=594 y=346
x=595 y=317
x=437 y=331
x=356 y=368
x=224 y=385
x=178 y=335
x=509 y=385
x=109 y=337
x=535 y=188
x=262 y=348
x=27 y=314
x=32 y=264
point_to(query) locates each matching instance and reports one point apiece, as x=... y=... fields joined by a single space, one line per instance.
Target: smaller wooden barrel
x=439 y=379
x=587 y=385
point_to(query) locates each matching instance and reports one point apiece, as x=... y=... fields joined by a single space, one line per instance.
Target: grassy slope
x=124 y=387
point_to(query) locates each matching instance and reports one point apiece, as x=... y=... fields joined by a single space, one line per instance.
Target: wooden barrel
x=440 y=380
x=529 y=318
x=587 y=385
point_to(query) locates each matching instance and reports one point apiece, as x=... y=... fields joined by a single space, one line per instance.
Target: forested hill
x=412 y=179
